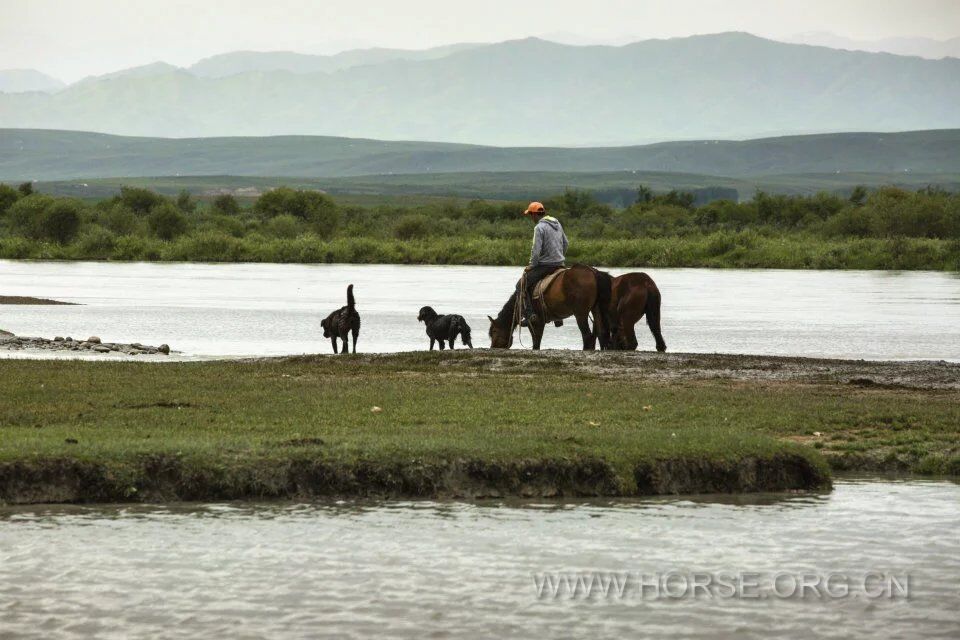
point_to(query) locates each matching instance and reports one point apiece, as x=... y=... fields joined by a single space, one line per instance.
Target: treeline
x=888 y=228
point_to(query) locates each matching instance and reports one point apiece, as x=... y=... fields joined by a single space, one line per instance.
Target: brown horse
x=578 y=291
x=632 y=296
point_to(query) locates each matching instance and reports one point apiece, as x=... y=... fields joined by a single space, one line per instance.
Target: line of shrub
x=886 y=229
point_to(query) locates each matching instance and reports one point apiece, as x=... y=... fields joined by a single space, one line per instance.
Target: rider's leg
x=534 y=276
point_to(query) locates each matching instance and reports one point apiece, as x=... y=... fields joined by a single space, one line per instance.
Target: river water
x=208 y=310
x=428 y=569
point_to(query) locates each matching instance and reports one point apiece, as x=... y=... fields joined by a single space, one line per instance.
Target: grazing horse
x=632 y=296
x=577 y=291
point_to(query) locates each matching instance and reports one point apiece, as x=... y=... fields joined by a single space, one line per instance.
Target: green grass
x=254 y=419
x=718 y=249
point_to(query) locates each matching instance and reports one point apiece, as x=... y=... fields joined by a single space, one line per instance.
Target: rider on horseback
x=546 y=256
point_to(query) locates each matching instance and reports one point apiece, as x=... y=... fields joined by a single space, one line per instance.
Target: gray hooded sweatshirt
x=549 y=243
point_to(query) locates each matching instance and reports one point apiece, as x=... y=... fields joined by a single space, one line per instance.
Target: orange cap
x=534 y=207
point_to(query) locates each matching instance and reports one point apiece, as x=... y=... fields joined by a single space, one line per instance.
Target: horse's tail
x=652 y=311
x=601 y=324
x=351 y=303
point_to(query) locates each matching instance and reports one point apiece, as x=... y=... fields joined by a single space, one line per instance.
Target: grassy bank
x=719 y=249
x=464 y=424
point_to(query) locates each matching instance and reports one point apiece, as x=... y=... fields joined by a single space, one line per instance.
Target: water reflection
x=412 y=569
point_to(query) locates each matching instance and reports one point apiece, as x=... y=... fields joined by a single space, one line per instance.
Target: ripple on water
x=420 y=568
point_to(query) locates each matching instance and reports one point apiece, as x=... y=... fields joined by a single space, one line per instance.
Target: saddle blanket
x=541 y=287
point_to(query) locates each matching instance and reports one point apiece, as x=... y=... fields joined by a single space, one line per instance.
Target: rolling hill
x=57 y=155
x=525 y=92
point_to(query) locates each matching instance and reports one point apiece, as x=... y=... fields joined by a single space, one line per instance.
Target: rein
x=518 y=309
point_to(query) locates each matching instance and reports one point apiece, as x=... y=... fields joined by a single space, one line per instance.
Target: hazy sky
x=73 y=38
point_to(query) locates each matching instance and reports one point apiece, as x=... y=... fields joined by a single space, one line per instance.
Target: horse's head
x=501 y=336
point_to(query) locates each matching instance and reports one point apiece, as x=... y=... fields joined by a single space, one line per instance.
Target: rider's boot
x=529 y=316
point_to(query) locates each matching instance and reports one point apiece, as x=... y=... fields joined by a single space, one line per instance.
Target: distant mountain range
x=923 y=47
x=228 y=64
x=58 y=155
x=22 y=80
x=526 y=92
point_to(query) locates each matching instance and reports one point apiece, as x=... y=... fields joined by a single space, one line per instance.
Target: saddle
x=539 y=289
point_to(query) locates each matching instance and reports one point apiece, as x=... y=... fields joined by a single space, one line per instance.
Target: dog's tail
x=351 y=303
x=465 y=333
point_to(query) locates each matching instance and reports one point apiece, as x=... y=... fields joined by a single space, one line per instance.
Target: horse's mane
x=505 y=317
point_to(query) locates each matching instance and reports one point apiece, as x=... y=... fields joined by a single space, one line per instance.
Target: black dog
x=341 y=323
x=447 y=327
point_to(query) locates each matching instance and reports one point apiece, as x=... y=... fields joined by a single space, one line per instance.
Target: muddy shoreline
x=670 y=367
x=32 y=300
x=168 y=478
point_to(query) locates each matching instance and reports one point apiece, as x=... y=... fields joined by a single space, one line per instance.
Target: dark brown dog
x=444 y=327
x=341 y=323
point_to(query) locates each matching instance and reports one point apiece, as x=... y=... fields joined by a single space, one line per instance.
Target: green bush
x=25 y=214
x=95 y=242
x=166 y=222
x=46 y=218
x=310 y=206
x=412 y=226
x=139 y=201
x=284 y=226
x=209 y=246
x=185 y=202
x=60 y=221
x=119 y=219
x=226 y=205
x=8 y=195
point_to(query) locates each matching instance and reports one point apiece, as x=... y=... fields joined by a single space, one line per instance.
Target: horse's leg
x=432 y=341
x=333 y=341
x=356 y=332
x=629 y=311
x=630 y=338
x=536 y=333
x=589 y=339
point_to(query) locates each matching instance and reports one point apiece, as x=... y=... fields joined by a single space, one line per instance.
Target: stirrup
x=558 y=323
